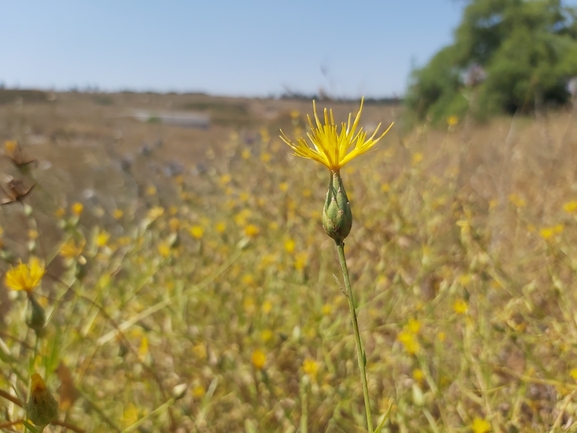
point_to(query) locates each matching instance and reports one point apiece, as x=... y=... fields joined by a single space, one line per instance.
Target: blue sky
x=226 y=47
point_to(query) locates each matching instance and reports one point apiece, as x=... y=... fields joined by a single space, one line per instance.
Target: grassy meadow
x=190 y=286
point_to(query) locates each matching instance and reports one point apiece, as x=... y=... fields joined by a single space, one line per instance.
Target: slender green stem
x=360 y=351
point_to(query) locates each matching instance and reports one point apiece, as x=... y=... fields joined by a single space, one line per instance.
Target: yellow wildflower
x=289 y=245
x=570 y=206
x=480 y=425
x=310 y=367
x=258 y=359
x=25 y=276
x=245 y=154
x=117 y=214
x=452 y=120
x=460 y=306
x=77 y=208
x=266 y=335
x=251 y=230
x=198 y=391
x=331 y=148
x=220 y=227
x=409 y=341
x=164 y=249
x=60 y=212
x=266 y=307
x=71 y=249
x=10 y=146
x=102 y=239
x=573 y=373
x=155 y=213
x=418 y=375
x=151 y=190
x=196 y=231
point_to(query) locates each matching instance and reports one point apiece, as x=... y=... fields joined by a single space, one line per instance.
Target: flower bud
x=337 y=215
x=41 y=408
x=35 y=315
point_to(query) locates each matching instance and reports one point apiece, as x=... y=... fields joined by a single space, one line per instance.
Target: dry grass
x=464 y=277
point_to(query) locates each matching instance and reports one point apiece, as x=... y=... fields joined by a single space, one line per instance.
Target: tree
x=526 y=50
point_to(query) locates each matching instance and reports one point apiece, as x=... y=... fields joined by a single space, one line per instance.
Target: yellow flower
x=460 y=306
x=71 y=249
x=452 y=120
x=25 y=276
x=419 y=375
x=220 y=226
x=251 y=230
x=289 y=245
x=480 y=425
x=331 y=148
x=10 y=146
x=102 y=239
x=570 y=206
x=117 y=214
x=258 y=359
x=60 y=212
x=310 y=367
x=196 y=232
x=77 y=208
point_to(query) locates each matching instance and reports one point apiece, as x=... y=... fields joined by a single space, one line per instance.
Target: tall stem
x=360 y=351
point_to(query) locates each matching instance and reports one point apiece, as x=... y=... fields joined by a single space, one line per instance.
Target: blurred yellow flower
x=326 y=310
x=102 y=239
x=198 y=391
x=220 y=227
x=151 y=190
x=77 y=208
x=283 y=186
x=409 y=341
x=310 y=367
x=517 y=201
x=117 y=214
x=480 y=425
x=289 y=245
x=417 y=158
x=245 y=154
x=460 y=306
x=60 y=212
x=418 y=375
x=174 y=224
x=452 y=120
x=71 y=249
x=196 y=231
x=258 y=359
x=301 y=260
x=164 y=249
x=570 y=206
x=154 y=213
x=251 y=230
x=265 y=157
x=25 y=276
x=10 y=146
x=329 y=147
x=266 y=307
x=266 y=335
x=225 y=178
x=414 y=326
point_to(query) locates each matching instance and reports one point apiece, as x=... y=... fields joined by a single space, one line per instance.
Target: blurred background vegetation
x=507 y=55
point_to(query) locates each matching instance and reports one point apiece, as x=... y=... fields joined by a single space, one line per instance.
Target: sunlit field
x=190 y=287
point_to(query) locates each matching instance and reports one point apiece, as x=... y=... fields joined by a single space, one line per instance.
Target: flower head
x=331 y=148
x=25 y=276
x=42 y=408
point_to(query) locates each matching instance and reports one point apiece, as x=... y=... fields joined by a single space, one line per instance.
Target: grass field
x=190 y=286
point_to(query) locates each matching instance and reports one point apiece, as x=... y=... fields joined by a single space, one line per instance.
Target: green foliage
x=527 y=49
